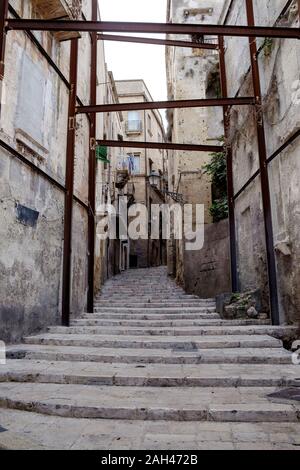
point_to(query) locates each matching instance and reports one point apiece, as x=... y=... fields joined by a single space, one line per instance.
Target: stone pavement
x=152 y=368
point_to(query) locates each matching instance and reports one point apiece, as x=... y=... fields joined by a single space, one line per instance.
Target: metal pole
x=265 y=186
x=205 y=103
x=161 y=145
x=70 y=166
x=230 y=185
x=156 y=28
x=3 y=17
x=92 y=166
x=160 y=42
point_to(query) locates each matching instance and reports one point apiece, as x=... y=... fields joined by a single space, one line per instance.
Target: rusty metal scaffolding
x=97 y=30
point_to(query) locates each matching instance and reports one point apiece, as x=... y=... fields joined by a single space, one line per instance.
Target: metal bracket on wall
x=72 y=123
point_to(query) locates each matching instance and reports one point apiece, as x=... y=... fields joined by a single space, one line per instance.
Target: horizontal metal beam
x=202 y=103
x=156 y=28
x=160 y=145
x=159 y=42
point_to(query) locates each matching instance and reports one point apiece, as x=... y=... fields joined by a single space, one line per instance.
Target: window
x=134 y=163
x=130 y=162
x=134 y=123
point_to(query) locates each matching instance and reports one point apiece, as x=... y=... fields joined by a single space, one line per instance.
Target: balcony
x=62 y=9
x=134 y=127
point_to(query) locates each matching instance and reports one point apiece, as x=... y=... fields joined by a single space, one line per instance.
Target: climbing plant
x=217 y=170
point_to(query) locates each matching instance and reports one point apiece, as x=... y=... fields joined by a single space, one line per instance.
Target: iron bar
x=13 y=152
x=3 y=16
x=230 y=186
x=156 y=28
x=269 y=160
x=161 y=145
x=265 y=185
x=165 y=105
x=70 y=167
x=284 y=146
x=248 y=182
x=162 y=42
x=92 y=165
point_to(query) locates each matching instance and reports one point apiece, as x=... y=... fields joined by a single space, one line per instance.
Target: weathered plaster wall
x=207 y=272
x=34 y=121
x=190 y=73
x=279 y=63
x=145 y=251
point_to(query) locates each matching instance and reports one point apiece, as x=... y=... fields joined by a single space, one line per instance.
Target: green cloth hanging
x=101 y=154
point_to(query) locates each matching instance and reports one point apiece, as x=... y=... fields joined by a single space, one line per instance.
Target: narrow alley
x=162 y=365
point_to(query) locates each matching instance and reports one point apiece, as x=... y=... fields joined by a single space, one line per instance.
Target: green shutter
x=101 y=154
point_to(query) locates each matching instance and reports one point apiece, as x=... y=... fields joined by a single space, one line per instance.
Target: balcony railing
x=134 y=127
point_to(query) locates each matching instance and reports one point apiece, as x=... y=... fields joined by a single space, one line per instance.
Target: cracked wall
x=279 y=63
x=34 y=122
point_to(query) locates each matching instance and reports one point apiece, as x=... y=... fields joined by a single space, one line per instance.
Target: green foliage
x=217 y=170
x=219 y=209
x=268 y=46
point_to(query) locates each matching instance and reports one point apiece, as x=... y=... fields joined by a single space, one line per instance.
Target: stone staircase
x=153 y=357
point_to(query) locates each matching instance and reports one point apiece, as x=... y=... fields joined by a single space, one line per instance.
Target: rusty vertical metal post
x=92 y=165
x=230 y=185
x=70 y=167
x=265 y=185
x=3 y=16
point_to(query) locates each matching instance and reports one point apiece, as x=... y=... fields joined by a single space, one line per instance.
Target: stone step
x=145 y=298
x=156 y=310
x=150 y=375
x=147 y=342
x=153 y=316
x=239 y=404
x=275 y=331
x=150 y=356
x=67 y=433
x=168 y=323
x=155 y=299
x=148 y=285
x=140 y=290
x=142 y=305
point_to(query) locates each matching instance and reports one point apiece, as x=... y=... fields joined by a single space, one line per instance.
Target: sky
x=128 y=60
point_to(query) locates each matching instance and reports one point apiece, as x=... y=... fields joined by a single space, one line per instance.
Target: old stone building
x=279 y=64
x=110 y=256
x=189 y=76
x=143 y=126
x=194 y=74
x=149 y=362
x=34 y=119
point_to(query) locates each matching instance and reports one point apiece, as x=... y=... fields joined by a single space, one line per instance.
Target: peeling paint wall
x=279 y=63
x=34 y=122
x=192 y=74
